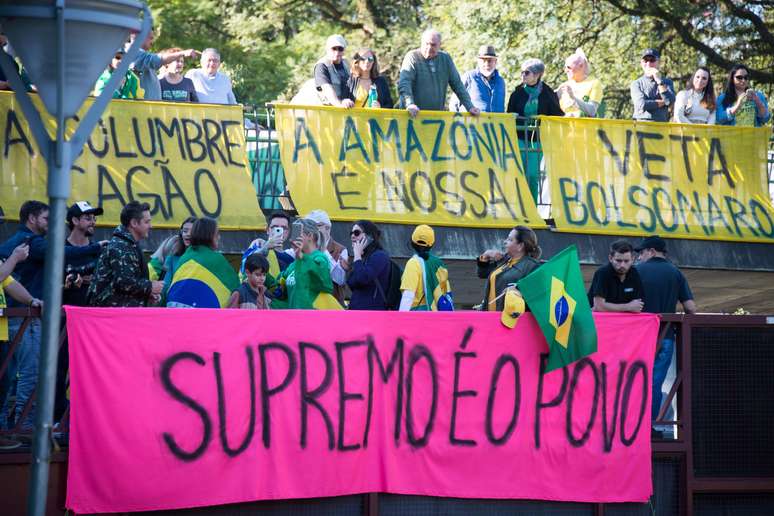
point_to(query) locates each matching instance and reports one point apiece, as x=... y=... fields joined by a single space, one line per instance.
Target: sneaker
x=9 y=444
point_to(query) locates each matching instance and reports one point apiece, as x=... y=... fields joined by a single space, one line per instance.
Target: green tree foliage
x=270 y=47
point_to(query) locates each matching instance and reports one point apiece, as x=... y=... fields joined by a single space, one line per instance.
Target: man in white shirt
x=212 y=86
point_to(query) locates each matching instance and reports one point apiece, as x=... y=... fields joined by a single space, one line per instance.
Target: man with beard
x=81 y=219
x=616 y=286
x=33 y=226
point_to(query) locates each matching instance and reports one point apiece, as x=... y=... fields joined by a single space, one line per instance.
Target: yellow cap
x=513 y=307
x=423 y=235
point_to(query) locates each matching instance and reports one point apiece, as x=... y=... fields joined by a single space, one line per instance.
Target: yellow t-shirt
x=412 y=280
x=361 y=96
x=4 y=319
x=588 y=90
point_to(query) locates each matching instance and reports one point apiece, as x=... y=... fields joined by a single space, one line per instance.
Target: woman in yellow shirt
x=365 y=77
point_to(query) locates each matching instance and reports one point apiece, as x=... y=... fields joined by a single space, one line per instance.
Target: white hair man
x=212 y=86
x=425 y=75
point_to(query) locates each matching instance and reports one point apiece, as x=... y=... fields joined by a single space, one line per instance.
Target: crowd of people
x=428 y=72
x=298 y=265
x=159 y=76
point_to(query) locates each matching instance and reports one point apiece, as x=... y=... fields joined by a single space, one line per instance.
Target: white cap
x=337 y=40
x=319 y=217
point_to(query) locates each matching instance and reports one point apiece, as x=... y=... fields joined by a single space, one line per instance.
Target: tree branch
x=686 y=34
x=759 y=24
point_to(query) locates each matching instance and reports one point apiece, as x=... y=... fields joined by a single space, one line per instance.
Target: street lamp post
x=64 y=45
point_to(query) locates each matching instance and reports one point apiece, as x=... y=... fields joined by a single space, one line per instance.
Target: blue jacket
x=30 y=272
x=362 y=281
x=723 y=117
x=486 y=95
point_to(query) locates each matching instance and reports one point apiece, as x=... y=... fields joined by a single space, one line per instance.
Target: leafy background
x=269 y=48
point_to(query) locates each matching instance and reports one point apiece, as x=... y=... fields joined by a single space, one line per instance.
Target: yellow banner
x=678 y=180
x=183 y=159
x=383 y=165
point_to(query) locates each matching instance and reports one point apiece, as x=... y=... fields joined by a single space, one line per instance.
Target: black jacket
x=548 y=104
x=121 y=276
x=382 y=90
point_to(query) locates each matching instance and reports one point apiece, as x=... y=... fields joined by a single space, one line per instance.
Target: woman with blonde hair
x=580 y=95
x=306 y=283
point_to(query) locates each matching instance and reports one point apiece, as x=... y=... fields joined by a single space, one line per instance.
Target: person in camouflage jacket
x=121 y=276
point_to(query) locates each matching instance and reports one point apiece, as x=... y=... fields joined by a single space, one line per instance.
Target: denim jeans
x=5 y=384
x=23 y=368
x=660 y=369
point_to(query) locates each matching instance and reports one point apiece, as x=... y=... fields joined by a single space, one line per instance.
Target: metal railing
x=272 y=191
x=17 y=428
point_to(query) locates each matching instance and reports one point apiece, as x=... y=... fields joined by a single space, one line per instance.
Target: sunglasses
x=338 y=49
x=356 y=232
x=526 y=72
x=118 y=56
x=369 y=59
x=649 y=59
x=741 y=77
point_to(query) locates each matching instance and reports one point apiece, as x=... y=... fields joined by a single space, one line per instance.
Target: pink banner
x=193 y=407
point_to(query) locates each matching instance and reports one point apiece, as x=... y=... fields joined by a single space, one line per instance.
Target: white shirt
x=688 y=109
x=212 y=89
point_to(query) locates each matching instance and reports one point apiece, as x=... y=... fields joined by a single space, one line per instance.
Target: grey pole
x=60 y=155
x=59 y=163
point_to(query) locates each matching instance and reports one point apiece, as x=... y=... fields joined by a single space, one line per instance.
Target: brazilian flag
x=203 y=279
x=556 y=295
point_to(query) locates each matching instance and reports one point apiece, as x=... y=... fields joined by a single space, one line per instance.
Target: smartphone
x=295 y=231
x=367 y=241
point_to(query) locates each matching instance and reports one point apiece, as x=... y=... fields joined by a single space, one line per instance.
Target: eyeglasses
x=338 y=49
x=741 y=77
x=649 y=59
x=356 y=232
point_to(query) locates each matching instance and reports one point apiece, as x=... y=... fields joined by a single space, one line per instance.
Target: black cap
x=651 y=52
x=652 y=242
x=82 y=208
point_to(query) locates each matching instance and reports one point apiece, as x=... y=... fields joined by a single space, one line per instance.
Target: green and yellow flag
x=556 y=295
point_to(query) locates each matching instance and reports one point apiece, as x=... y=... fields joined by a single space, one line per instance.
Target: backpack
x=393 y=295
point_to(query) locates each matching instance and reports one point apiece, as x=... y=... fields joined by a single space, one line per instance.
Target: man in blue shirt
x=664 y=286
x=147 y=64
x=484 y=84
x=33 y=225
